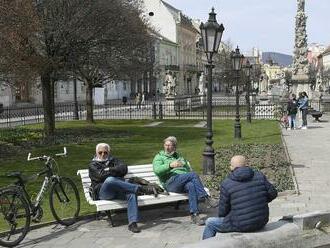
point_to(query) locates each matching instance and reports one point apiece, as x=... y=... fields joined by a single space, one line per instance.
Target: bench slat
x=150 y=179
x=144 y=200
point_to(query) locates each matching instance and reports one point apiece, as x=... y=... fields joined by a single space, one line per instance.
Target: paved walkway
x=166 y=228
x=309 y=151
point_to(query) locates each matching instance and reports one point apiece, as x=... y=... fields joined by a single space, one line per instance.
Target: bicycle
x=282 y=117
x=17 y=208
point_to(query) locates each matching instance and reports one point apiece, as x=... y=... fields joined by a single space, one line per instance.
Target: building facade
x=175 y=50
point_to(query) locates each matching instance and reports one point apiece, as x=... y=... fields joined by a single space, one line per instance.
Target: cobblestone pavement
x=167 y=228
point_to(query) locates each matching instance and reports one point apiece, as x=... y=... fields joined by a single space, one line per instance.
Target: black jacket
x=100 y=170
x=292 y=107
x=244 y=197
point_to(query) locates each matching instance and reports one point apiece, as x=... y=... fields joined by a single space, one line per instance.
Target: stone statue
x=319 y=82
x=300 y=63
x=169 y=85
x=301 y=5
x=201 y=84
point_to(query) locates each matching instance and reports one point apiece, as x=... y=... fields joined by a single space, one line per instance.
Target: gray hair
x=102 y=145
x=171 y=139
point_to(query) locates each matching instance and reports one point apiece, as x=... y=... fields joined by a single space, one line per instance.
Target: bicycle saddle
x=22 y=178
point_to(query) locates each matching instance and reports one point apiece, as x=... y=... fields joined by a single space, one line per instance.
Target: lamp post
x=248 y=69
x=237 y=59
x=211 y=33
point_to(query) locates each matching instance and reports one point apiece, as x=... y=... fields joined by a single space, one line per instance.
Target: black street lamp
x=237 y=59
x=211 y=33
x=248 y=69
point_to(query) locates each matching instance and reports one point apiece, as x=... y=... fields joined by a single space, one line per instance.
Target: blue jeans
x=117 y=188
x=292 y=121
x=212 y=226
x=188 y=183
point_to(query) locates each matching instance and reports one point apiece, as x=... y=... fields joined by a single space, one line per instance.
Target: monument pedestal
x=170 y=105
x=300 y=83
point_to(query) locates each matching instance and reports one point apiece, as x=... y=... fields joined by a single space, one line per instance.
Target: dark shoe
x=147 y=190
x=196 y=219
x=134 y=228
x=211 y=203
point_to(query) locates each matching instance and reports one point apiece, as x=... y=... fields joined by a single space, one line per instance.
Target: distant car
x=1 y=107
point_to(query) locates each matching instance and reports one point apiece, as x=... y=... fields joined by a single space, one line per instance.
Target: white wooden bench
x=144 y=171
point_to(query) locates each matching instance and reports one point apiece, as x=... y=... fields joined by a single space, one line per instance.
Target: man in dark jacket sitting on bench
x=244 y=198
x=108 y=183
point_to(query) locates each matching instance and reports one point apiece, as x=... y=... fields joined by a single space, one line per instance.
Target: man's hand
x=175 y=164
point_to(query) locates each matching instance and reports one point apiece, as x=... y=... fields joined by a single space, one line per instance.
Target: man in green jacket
x=175 y=174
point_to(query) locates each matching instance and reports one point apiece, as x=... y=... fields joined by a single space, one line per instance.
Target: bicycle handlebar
x=62 y=154
x=44 y=157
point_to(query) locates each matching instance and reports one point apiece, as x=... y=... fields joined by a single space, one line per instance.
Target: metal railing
x=180 y=108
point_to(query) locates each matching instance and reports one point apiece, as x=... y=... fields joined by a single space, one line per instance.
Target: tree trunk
x=89 y=102
x=48 y=105
x=75 y=101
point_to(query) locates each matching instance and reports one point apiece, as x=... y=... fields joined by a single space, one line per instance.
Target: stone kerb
x=308 y=230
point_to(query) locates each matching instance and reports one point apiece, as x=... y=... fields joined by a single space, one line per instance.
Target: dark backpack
x=141 y=181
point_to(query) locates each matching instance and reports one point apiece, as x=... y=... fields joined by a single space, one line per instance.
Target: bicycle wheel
x=14 y=218
x=64 y=201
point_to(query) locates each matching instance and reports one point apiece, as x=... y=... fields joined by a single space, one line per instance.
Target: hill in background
x=279 y=58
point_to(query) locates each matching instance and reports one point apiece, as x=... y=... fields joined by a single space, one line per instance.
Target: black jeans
x=304 y=117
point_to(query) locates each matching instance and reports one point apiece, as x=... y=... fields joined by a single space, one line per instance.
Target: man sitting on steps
x=108 y=183
x=244 y=198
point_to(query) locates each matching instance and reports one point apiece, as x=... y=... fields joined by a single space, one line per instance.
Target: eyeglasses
x=103 y=152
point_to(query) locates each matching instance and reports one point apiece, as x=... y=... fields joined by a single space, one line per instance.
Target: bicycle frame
x=50 y=178
x=45 y=184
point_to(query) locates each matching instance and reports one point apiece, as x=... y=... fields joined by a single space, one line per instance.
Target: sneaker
x=211 y=202
x=196 y=219
x=134 y=228
x=304 y=127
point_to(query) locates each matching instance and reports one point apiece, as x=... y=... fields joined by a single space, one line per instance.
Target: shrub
x=270 y=159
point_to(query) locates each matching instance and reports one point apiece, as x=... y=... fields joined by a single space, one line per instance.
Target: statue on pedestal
x=201 y=84
x=169 y=85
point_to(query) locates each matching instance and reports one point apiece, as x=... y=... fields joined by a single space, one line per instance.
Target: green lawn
x=130 y=141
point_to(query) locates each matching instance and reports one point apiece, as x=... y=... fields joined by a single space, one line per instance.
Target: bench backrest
x=144 y=171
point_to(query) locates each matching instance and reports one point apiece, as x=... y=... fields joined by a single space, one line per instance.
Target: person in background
x=292 y=109
x=303 y=107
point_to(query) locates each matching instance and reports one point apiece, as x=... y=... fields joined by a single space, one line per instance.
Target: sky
x=265 y=24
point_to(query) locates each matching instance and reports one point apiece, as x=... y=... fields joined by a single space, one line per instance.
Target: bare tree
x=223 y=65
x=116 y=46
x=96 y=40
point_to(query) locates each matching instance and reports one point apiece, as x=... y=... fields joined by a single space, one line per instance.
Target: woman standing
x=303 y=107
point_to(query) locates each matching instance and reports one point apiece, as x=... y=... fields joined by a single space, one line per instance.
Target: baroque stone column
x=300 y=73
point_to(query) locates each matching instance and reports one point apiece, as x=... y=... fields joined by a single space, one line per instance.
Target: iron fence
x=179 y=108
